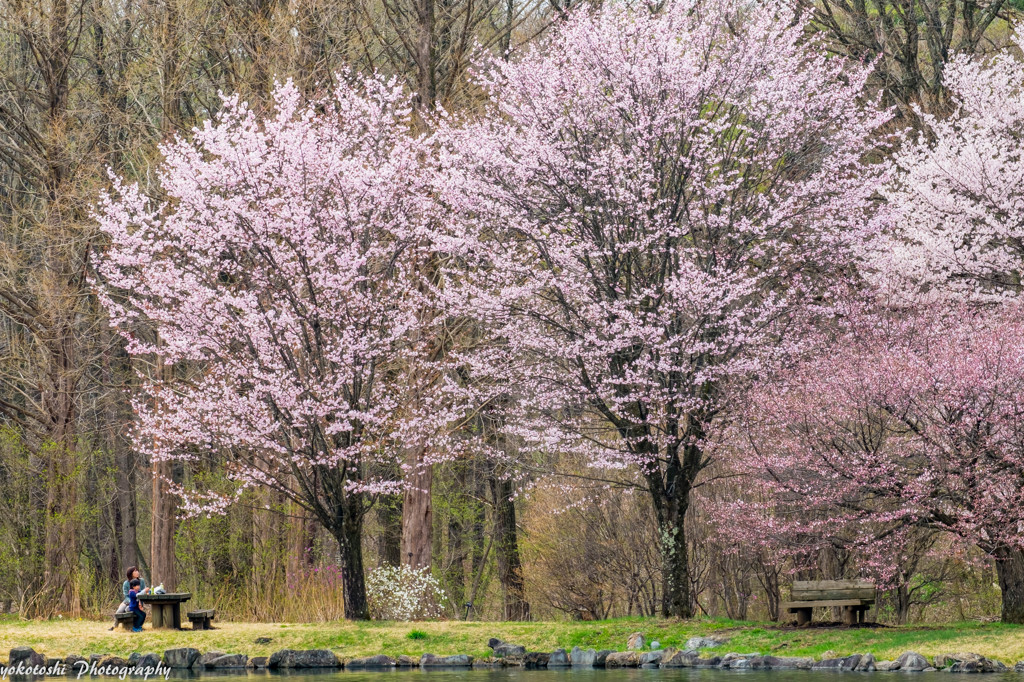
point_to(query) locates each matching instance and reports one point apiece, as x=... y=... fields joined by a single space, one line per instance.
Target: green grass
x=350 y=640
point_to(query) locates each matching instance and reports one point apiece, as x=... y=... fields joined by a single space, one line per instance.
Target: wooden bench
x=125 y=620
x=854 y=596
x=201 y=619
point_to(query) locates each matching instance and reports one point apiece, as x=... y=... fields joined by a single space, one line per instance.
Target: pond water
x=570 y=675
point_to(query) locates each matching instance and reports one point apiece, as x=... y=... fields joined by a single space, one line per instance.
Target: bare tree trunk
x=348 y=531
x=389 y=543
x=417 y=512
x=161 y=553
x=506 y=543
x=163 y=513
x=424 y=54
x=1010 y=570
x=301 y=535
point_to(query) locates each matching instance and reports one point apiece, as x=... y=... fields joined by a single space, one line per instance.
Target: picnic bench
x=201 y=619
x=854 y=596
x=166 y=608
x=125 y=620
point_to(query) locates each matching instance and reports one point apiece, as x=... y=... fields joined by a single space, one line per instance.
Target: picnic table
x=166 y=611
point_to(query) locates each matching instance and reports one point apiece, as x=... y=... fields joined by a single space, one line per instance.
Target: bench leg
x=158 y=615
x=803 y=617
x=850 y=615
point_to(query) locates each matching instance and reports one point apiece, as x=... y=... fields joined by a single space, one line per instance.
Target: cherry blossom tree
x=906 y=422
x=957 y=200
x=647 y=204
x=278 y=276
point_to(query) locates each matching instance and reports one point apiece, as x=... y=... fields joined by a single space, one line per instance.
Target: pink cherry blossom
x=278 y=271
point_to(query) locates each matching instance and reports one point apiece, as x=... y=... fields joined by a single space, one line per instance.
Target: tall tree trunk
x=455 y=575
x=417 y=512
x=1010 y=570
x=127 y=509
x=163 y=524
x=506 y=543
x=389 y=542
x=675 y=564
x=347 y=528
x=670 y=494
x=424 y=54
x=301 y=534
x=161 y=549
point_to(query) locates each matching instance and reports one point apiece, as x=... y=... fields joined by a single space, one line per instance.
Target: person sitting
x=135 y=606
x=133 y=574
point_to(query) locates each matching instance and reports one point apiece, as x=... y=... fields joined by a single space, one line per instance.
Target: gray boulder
x=622 y=659
x=378 y=661
x=985 y=665
x=673 y=658
x=703 y=643
x=787 y=663
x=636 y=642
x=536 y=659
x=867 y=664
x=652 y=657
x=408 y=661
x=911 y=661
x=218 y=660
x=602 y=657
x=181 y=658
x=258 y=662
x=1019 y=667
x=456 y=661
x=582 y=657
x=558 y=659
x=75 y=664
x=712 y=662
x=827 y=664
x=26 y=656
x=146 y=661
x=502 y=649
x=313 y=658
x=968 y=663
x=734 y=661
x=885 y=666
x=114 y=663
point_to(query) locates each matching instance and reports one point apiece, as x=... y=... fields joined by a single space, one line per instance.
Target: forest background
x=92 y=85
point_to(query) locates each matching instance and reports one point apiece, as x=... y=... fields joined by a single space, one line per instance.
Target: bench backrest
x=822 y=590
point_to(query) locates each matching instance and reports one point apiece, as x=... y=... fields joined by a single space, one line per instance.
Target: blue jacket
x=133 y=600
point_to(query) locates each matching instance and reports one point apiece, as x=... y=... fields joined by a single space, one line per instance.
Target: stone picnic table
x=166 y=608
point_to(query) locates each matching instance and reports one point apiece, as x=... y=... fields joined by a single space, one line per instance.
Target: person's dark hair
x=134 y=583
x=131 y=569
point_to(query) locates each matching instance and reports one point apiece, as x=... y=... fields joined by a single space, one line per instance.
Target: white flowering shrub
x=404 y=593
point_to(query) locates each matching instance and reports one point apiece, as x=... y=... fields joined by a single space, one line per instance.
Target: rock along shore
x=24 y=661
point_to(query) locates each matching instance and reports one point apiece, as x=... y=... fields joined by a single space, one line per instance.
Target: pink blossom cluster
x=907 y=422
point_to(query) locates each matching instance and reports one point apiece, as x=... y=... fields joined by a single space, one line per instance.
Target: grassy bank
x=349 y=640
